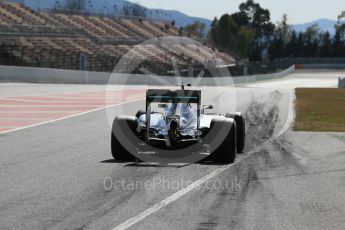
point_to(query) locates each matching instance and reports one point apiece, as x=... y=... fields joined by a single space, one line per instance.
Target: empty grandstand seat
x=58 y=38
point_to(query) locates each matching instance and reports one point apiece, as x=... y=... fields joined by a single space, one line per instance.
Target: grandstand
x=57 y=39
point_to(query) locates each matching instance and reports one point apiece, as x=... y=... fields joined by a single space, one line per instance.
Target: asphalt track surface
x=60 y=175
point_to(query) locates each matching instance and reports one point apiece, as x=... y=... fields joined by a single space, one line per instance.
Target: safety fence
x=38 y=75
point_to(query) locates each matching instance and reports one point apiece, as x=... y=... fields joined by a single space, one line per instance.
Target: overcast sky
x=298 y=11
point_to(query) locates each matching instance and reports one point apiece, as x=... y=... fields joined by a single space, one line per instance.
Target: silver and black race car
x=175 y=120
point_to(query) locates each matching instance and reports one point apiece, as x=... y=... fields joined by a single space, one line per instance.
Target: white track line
x=62 y=101
x=68 y=95
x=45 y=95
x=134 y=220
x=109 y=99
x=41 y=111
x=74 y=115
x=50 y=106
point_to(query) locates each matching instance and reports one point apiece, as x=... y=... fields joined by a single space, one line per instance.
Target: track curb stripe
x=67 y=117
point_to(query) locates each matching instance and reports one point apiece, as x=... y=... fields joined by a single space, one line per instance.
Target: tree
x=281 y=40
x=214 y=31
x=312 y=32
x=197 y=28
x=326 y=43
x=240 y=18
x=276 y=48
x=249 y=9
x=227 y=31
x=340 y=26
x=337 y=45
x=314 y=48
x=253 y=34
x=290 y=48
x=246 y=32
x=300 y=47
x=256 y=53
x=258 y=19
x=245 y=38
x=283 y=30
x=311 y=43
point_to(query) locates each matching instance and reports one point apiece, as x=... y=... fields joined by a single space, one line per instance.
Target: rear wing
x=169 y=96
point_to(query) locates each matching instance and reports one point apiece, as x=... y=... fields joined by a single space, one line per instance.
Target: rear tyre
x=226 y=152
x=240 y=130
x=121 y=123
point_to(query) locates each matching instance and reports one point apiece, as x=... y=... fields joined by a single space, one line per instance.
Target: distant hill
x=324 y=25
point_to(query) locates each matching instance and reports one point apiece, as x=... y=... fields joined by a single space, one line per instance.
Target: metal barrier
x=37 y=75
x=341 y=84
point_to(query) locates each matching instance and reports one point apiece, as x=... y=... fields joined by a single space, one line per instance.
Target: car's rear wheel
x=121 y=125
x=226 y=151
x=240 y=130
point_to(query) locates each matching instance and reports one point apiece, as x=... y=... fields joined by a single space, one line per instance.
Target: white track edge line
x=134 y=220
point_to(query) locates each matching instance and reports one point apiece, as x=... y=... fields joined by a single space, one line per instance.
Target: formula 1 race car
x=175 y=120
